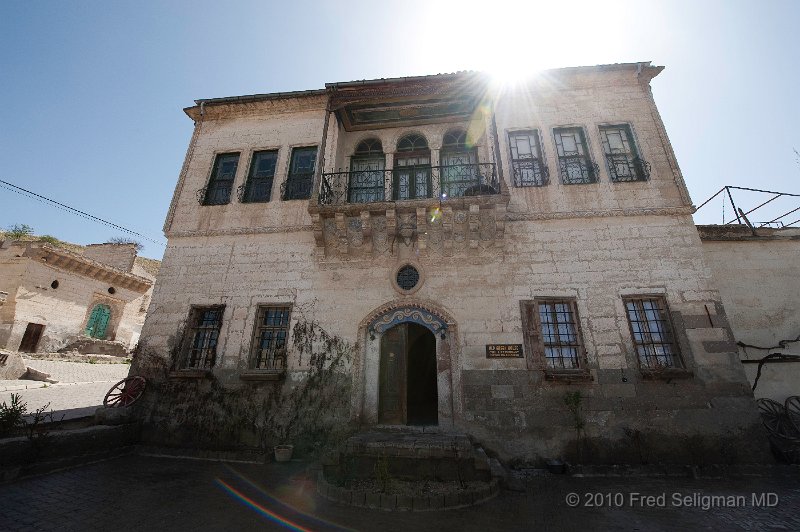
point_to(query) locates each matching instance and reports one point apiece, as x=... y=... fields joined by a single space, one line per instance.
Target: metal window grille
x=367 y=173
x=526 y=159
x=459 y=172
x=412 y=176
x=270 y=337
x=407 y=277
x=652 y=332
x=559 y=329
x=622 y=157
x=259 y=181
x=301 y=174
x=204 y=327
x=574 y=163
x=218 y=190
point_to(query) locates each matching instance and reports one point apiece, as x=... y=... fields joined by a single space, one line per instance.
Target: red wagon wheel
x=125 y=392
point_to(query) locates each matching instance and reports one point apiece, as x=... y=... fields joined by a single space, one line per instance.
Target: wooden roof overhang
x=72 y=262
x=403 y=102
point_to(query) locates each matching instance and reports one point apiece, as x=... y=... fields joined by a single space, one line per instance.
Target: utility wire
x=72 y=210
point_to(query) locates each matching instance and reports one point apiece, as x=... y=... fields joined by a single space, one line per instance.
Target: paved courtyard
x=80 y=389
x=149 y=493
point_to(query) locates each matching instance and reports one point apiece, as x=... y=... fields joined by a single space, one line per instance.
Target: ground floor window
x=270 y=337
x=651 y=330
x=552 y=333
x=203 y=334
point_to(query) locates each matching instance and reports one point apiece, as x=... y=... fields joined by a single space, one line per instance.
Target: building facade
x=757 y=272
x=494 y=253
x=51 y=297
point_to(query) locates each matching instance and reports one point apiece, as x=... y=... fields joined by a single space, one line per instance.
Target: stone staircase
x=424 y=470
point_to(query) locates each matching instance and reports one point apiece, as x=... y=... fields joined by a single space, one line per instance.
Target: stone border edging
x=382 y=501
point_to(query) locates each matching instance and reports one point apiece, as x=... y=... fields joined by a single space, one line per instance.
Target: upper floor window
x=459 y=169
x=259 y=181
x=648 y=318
x=552 y=333
x=270 y=337
x=366 y=179
x=301 y=173
x=574 y=163
x=218 y=190
x=622 y=157
x=412 y=169
x=202 y=334
x=526 y=159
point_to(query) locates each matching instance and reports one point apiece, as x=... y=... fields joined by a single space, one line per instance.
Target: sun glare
x=512 y=40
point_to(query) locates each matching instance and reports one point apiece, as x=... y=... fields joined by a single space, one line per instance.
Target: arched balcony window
x=367 y=171
x=459 y=174
x=412 y=169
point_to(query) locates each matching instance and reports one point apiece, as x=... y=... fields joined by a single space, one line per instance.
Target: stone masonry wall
x=508 y=407
x=595 y=243
x=758 y=282
x=120 y=256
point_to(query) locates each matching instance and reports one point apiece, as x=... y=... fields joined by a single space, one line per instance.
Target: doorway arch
x=428 y=322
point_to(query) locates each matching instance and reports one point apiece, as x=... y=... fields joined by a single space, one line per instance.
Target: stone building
x=489 y=249
x=757 y=273
x=52 y=298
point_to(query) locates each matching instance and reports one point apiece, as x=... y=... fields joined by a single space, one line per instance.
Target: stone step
x=409 y=456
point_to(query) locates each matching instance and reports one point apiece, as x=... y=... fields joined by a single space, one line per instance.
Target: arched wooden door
x=408 y=387
x=98 y=321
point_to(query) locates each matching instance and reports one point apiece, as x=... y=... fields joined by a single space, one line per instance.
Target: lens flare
x=250 y=503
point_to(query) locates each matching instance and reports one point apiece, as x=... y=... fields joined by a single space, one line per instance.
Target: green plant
x=382 y=475
x=92 y=360
x=12 y=416
x=50 y=239
x=306 y=413
x=123 y=240
x=35 y=429
x=18 y=231
x=573 y=402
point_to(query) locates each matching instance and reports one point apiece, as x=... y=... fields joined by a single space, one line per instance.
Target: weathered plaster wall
x=759 y=281
x=120 y=256
x=65 y=310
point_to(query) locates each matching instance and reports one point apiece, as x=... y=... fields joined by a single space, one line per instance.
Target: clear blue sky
x=92 y=92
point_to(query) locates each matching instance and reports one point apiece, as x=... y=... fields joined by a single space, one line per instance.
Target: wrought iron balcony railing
x=418 y=182
x=622 y=167
x=297 y=186
x=530 y=173
x=214 y=195
x=577 y=169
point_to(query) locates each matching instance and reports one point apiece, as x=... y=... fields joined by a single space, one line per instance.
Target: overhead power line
x=72 y=210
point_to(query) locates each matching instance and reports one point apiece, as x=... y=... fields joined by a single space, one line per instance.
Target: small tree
x=18 y=231
x=573 y=402
x=123 y=240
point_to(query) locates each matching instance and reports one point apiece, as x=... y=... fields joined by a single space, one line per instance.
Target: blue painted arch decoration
x=409 y=314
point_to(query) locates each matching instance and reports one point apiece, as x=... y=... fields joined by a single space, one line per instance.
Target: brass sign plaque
x=503 y=350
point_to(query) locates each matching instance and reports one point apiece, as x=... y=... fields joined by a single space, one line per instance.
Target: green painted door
x=98 y=321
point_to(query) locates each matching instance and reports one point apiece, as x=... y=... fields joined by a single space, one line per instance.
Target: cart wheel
x=125 y=392
x=792 y=406
x=773 y=416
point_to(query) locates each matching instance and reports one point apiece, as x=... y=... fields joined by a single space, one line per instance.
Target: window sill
x=568 y=376
x=666 y=374
x=190 y=373
x=263 y=375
